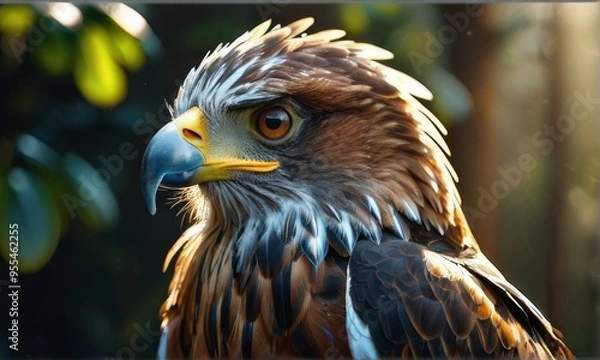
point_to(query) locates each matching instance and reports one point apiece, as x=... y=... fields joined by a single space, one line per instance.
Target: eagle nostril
x=191 y=135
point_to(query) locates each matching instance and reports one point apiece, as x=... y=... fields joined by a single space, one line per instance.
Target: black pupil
x=274 y=120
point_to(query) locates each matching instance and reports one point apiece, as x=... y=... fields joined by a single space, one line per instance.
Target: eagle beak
x=169 y=161
x=179 y=155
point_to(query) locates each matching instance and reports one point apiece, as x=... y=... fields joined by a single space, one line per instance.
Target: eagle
x=325 y=218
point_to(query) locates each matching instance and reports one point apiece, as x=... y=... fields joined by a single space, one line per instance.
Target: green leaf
x=354 y=19
x=36 y=152
x=127 y=50
x=30 y=204
x=54 y=55
x=97 y=75
x=16 y=19
x=81 y=188
x=388 y=10
x=90 y=195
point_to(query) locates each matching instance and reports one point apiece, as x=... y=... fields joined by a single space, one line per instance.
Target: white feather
x=359 y=337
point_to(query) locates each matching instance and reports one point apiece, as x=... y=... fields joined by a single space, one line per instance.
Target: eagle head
x=280 y=131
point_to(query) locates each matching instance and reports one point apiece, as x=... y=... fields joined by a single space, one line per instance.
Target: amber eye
x=273 y=123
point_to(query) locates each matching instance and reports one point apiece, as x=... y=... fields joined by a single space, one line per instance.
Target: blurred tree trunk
x=474 y=143
x=573 y=207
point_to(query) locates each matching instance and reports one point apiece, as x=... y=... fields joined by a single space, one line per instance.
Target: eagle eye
x=273 y=123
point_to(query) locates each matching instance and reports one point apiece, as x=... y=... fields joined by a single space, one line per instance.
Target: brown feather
x=317 y=302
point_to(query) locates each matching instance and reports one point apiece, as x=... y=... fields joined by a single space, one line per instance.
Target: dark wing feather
x=430 y=300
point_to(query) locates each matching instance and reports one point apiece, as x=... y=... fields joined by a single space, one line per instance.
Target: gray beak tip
x=169 y=160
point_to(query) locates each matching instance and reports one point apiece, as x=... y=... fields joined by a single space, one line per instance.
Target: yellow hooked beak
x=179 y=155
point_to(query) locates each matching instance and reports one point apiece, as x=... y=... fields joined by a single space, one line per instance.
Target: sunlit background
x=83 y=88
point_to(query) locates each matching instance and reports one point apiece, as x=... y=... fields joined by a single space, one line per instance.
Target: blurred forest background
x=83 y=87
